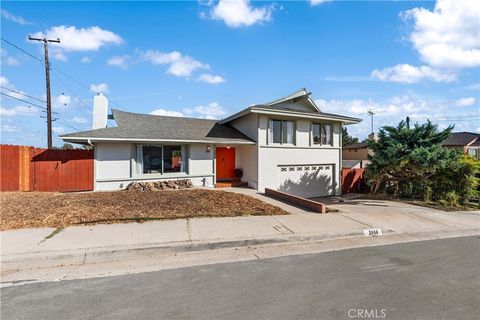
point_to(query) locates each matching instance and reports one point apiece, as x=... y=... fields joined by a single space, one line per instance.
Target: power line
x=73 y=93
x=68 y=124
x=25 y=101
x=57 y=70
x=24 y=51
x=23 y=94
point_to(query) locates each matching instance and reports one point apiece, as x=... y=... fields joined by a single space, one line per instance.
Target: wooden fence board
x=353 y=181
x=34 y=169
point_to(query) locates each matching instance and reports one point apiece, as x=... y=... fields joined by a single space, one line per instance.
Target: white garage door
x=307 y=181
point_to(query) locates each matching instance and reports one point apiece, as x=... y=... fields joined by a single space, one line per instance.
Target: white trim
x=290 y=146
x=230 y=142
x=155 y=178
x=303 y=115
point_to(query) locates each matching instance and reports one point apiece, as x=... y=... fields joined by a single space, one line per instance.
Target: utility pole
x=47 y=79
x=371 y=113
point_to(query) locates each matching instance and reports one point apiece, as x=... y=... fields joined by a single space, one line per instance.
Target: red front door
x=225 y=163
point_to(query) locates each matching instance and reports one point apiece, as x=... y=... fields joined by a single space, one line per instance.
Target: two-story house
x=287 y=144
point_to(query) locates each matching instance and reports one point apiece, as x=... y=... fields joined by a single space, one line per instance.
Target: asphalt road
x=437 y=279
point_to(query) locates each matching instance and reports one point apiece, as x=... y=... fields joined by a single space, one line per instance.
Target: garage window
x=282 y=132
x=322 y=134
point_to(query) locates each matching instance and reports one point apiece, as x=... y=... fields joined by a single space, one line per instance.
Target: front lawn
x=44 y=209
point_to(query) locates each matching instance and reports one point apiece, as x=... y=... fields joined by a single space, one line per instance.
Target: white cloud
x=465 y=102
x=9 y=128
x=8 y=60
x=411 y=74
x=4 y=82
x=448 y=36
x=62 y=101
x=387 y=112
x=79 y=120
x=240 y=13
x=119 y=61
x=99 y=88
x=59 y=55
x=11 y=17
x=213 y=110
x=18 y=111
x=179 y=65
x=81 y=39
x=210 y=78
x=85 y=59
x=317 y=2
x=58 y=130
x=169 y=113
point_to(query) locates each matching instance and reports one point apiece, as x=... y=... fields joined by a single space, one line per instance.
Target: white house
x=287 y=144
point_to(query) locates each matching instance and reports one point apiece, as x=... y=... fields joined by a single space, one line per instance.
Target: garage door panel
x=307 y=181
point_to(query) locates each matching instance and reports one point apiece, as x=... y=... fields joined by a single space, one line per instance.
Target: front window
x=316 y=129
x=473 y=152
x=326 y=134
x=282 y=131
x=172 y=158
x=321 y=134
x=153 y=159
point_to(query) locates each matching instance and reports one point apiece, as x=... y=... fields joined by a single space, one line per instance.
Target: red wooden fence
x=352 y=180
x=33 y=169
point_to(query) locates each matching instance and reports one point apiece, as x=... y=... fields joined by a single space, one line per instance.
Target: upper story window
x=153 y=159
x=322 y=134
x=282 y=132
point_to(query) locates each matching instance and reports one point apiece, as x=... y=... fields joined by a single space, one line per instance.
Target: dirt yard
x=43 y=209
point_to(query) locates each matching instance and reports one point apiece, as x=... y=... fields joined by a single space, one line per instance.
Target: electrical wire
x=25 y=101
x=23 y=94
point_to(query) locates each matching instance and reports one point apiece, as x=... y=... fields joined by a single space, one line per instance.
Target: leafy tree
x=404 y=157
x=67 y=146
x=346 y=138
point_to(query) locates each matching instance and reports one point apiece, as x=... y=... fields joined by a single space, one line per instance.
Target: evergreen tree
x=346 y=138
x=405 y=158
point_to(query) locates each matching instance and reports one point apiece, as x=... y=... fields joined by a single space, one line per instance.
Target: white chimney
x=100 y=111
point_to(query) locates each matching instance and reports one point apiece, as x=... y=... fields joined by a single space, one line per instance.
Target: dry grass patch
x=42 y=209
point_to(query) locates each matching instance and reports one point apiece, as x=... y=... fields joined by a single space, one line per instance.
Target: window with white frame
x=157 y=159
x=282 y=132
x=473 y=152
x=321 y=134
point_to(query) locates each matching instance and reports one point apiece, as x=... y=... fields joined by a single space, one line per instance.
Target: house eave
x=305 y=115
x=139 y=140
x=297 y=114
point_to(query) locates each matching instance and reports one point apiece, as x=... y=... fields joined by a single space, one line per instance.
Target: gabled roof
x=296 y=96
x=281 y=107
x=462 y=139
x=145 y=127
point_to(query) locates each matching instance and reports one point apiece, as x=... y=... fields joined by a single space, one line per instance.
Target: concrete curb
x=78 y=257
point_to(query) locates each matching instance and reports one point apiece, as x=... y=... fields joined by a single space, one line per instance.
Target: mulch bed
x=44 y=209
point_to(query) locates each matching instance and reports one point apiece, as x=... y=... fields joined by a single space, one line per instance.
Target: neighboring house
x=468 y=141
x=287 y=144
x=355 y=155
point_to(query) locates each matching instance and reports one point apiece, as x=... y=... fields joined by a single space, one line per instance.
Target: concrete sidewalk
x=353 y=217
x=47 y=254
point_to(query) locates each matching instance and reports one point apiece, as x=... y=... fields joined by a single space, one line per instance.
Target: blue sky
x=210 y=59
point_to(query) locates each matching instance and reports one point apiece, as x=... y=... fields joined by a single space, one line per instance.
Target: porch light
x=209 y=149
x=228 y=147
